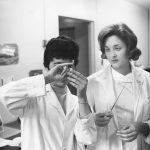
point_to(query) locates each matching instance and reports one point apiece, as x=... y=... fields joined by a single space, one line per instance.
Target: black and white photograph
x=74 y=74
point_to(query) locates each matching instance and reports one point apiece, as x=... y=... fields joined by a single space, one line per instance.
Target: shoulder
x=96 y=74
x=141 y=71
x=99 y=76
x=141 y=75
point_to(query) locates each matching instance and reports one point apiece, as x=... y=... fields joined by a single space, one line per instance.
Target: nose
x=113 y=53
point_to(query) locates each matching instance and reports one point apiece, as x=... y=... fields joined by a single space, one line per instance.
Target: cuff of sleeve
x=86 y=121
x=84 y=117
x=85 y=130
x=36 y=86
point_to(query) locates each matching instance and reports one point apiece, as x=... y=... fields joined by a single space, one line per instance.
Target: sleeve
x=85 y=130
x=15 y=95
x=89 y=94
x=147 y=138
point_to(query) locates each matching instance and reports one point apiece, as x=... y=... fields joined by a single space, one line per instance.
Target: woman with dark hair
x=51 y=117
x=119 y=94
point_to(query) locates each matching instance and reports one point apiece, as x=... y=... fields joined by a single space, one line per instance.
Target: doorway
x=80 y=31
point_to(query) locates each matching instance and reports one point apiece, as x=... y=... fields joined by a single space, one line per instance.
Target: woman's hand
x=77 y=80
x=102 y=119
x=128 y=133
x=57 y=73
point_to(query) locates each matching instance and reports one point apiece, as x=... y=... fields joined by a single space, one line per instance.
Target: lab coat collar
x=108 y=79
x=135 y=73
x=53 y=101
x=119 y=78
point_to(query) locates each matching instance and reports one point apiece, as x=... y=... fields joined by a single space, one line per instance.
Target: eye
x=117 y=48
x=107 y=49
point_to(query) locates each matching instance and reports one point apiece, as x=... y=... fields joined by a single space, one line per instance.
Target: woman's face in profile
x=116 y=53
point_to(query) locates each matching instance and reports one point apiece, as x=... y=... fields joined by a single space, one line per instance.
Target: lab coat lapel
x=137 y=90
x=107 y=82
x=71 y=102
x=137 y=87
x=53 y=100
x=108 y=79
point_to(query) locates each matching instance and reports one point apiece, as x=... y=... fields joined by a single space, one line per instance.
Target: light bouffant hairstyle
x=122 y=31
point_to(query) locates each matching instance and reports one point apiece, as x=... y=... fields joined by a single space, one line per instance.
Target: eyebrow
x=113 y=45
x=117 y=45
x=63 y=62
x=58 y=63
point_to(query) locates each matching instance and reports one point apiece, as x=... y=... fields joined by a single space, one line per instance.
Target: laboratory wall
x=135 y=16
x=28 y=22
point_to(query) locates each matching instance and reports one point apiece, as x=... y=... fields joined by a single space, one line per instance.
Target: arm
x=77 y=80
x=85 y=129
x=17 y=93
x=147 y=120
x=102 y=119
x=130 y=132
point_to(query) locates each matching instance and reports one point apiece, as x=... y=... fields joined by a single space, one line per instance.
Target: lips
x=114 y=60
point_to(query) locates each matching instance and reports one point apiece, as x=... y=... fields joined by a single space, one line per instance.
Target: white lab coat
x=44 y=126
x=101 y=95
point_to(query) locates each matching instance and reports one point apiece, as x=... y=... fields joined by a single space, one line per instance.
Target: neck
x=61 y=95
x=124 y=70
x=58 y=89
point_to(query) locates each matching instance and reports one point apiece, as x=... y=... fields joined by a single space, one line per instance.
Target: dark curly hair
x=125 y=34
x=61 y=47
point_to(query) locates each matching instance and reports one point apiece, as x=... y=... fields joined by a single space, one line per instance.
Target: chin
x=115 y=66
x=61 y=85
